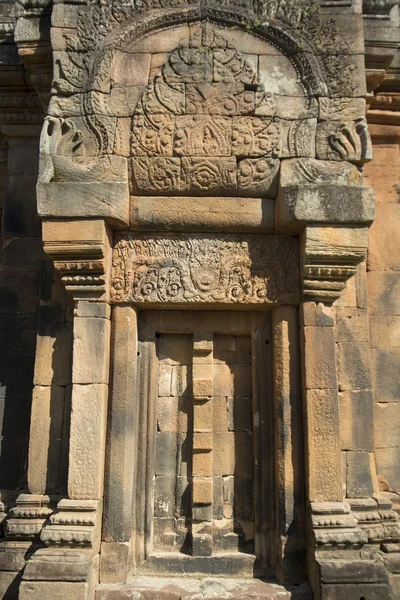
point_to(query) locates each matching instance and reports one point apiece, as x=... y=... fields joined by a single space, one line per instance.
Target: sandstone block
x=181 y=380
x=169 y=446
x=195 y=214
x=225 y=349
x=202 y=441
x=239 y=413
x=47 y=418
x=175 y=349
x=384 y=244
x=360 y=466
x=356 y=421
x=130 y=69
x=385 y=379
x=87 y=441
x=203 y=416
x=114 y=562
x=354 y=366
x=233 y=453
x=300 y=205
x=387 y=466
x=99 y=310
x=383 y=293
x=164 y=380
x=202 y=388
x=71 y=199
x=385 y=332
x=91 y=350
x=203 y=342
x=299 y=171
x=201 y=370
x=320 y=358
x=172 y=414
x=341 y=109
x=53 y=353
x=387 y=424
x=202 y=491
x=351 y=325
x=202 y=464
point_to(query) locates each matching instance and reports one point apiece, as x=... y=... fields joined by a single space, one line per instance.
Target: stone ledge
x=85 y=200
x=301 y=205
x=175 y=588
x=186 y=213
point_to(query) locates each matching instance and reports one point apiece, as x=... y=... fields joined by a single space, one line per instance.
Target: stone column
x=120 y=460
x=330 y=258
x=21 y=273
x=202 y=444
x=80 y=250
x=289 y=488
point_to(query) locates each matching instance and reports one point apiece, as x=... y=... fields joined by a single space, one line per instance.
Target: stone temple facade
x=200 y=299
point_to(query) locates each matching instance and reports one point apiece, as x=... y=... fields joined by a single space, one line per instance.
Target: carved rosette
x=225 y=269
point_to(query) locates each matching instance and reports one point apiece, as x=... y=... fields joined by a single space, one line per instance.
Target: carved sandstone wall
x=214 y=391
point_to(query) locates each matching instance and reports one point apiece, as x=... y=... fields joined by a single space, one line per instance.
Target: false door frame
x=279 y=485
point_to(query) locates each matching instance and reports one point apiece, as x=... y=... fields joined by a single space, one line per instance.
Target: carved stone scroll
x=224 y=269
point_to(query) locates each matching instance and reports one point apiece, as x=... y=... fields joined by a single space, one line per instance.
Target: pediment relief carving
x=206 y=124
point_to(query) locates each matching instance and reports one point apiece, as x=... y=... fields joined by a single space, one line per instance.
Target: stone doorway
x=204 y=444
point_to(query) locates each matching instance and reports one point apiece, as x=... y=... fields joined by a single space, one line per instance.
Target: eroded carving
x=205 y=268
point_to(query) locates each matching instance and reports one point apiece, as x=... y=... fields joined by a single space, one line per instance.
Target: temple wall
x=199 y=309
x=384 y=303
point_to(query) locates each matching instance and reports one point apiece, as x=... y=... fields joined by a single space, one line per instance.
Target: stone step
x=178 y=588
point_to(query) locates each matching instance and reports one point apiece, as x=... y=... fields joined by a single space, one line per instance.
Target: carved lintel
x=209 y=268
x=330 y=259
x=74 y=523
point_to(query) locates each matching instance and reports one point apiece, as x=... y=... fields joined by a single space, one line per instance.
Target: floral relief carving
x=205 y=268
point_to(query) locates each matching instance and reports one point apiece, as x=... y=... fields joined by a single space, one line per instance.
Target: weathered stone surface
x=344 y=141
x=319 y=369
x=384 y=368
x=323 y=445
x=356 y=413
x=194 y=214
x=359 y=482
x=387 y=466
x=114 y=562
x=298 y=171
x=352 y=325
x=354 y=366
x=341 y=109
x=383 y=294
x=87 y=442
x=384 y=246
x=386 y=424
x=108 y=200
x=46 y=431
x=204 y=451
x=91 y=350
x=307 y=203
x=385 y=332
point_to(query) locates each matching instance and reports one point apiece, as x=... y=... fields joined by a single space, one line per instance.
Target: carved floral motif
x=205 y=268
